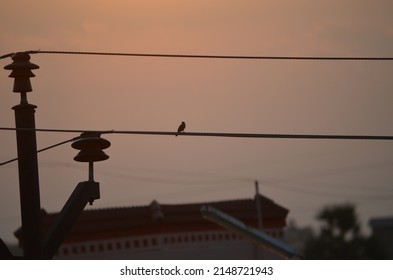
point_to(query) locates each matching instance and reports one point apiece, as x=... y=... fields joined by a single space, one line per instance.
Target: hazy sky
x=125 y=93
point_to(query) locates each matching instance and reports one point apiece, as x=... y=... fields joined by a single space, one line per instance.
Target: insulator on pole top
x=21 y=71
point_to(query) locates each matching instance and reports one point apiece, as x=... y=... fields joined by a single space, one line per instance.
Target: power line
x=300 y=190
x=219 y=183
x=203 y=56
x=215 y=56
x=290 y=188
x=56 y=130
x=203 y=134
x=218 y=134
x=43 y=149
x=7 y=55
x=263 y=135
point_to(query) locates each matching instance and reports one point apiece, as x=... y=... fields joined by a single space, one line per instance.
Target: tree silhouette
x=340 y=237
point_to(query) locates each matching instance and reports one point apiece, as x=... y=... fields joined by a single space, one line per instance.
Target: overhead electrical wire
x=281 y=187
x=206 y=134
x=214 y=56
x=203 y=56
x=297 y=189
x=217 y=134
x=57 y=130
x=214 y=134
x=43 y=149
x=203 y=134
x=218 y=183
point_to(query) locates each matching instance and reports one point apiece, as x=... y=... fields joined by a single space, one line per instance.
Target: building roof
x=157 y=218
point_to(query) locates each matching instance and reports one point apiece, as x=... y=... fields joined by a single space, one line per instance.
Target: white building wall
x=188 y=245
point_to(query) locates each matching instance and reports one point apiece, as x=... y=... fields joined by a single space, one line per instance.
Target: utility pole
x=36 y=245
x=258 y=205
x=257 y=253
x=27 y=155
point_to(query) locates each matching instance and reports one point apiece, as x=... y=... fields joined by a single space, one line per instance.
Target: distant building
x=163 y=231
x=382 y=231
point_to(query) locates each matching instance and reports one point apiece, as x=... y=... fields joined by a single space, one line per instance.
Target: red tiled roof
x=155 y=218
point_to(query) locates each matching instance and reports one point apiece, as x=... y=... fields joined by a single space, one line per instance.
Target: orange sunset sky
x=139 y=93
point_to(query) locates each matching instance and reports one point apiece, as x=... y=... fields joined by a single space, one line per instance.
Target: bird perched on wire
x=181 y=128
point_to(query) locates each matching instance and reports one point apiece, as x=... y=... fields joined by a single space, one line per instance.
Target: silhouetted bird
x=181 y=128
